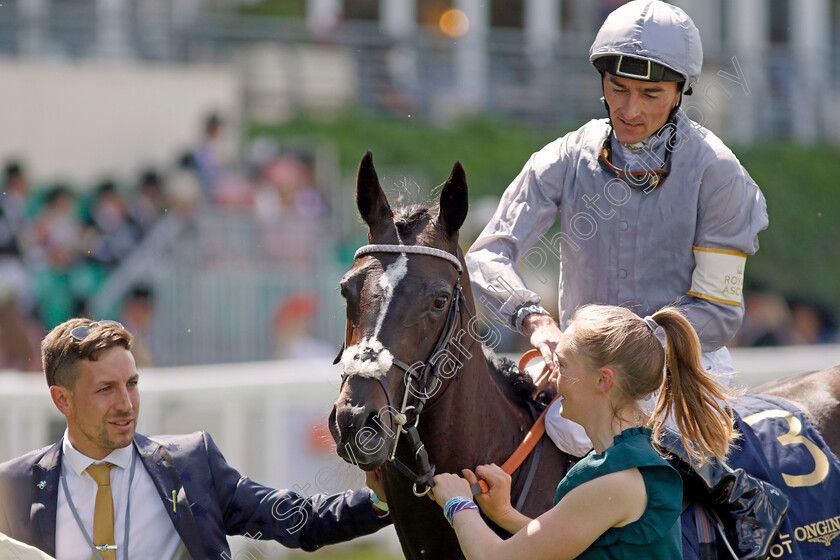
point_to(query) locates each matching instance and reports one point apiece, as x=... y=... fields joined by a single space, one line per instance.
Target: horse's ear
x=370 y=198
x=454 y=201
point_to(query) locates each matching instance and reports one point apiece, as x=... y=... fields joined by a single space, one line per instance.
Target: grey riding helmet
x=649 y=40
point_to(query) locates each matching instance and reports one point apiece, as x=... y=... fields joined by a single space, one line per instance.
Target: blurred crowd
x=57 y=247
x=773 y=320
x=58 y=244
x=770 y=319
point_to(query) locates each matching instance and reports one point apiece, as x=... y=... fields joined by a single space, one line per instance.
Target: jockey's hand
x=545 y=336
x=495 y=503
x=448 y=486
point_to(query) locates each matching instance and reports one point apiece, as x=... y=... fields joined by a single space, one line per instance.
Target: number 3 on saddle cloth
x=780 y=445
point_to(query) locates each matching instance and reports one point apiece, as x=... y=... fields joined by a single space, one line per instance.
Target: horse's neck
x=474 y=421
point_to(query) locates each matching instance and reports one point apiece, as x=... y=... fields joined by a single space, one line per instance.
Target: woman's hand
x=495 y=503
x=448 y=486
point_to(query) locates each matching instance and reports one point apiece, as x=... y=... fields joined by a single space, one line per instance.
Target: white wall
x=81 y=121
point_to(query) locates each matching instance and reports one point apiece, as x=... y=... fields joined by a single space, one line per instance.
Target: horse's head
x=400 y=304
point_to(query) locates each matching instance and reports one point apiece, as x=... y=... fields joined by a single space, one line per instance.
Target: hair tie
x=652 y=325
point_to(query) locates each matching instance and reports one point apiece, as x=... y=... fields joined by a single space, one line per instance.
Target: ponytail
x=690 y=394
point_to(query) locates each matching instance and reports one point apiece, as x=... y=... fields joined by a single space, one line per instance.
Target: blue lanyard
x=88 y=538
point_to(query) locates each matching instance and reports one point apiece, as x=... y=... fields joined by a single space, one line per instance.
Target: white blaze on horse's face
x=368 y=357
x=388 y=282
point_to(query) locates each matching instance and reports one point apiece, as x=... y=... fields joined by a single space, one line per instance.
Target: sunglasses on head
x=80 y=333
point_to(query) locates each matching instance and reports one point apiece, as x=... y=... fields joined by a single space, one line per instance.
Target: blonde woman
x=622 y=500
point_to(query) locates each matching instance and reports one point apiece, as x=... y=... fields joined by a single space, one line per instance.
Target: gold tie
x=103 y=513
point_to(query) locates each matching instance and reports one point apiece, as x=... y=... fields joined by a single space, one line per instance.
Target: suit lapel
x=161 y=468
x=46 y=475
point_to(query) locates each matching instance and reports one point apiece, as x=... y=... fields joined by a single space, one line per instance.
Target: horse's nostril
x=342 y=421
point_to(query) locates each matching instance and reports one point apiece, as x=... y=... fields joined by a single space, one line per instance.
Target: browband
x=415 y=249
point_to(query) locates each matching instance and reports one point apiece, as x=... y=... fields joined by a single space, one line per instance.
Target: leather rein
x=529 y=442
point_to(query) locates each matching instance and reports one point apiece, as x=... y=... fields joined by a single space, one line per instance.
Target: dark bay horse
x=418 y=388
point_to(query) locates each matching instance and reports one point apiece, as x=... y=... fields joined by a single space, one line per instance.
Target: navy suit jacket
x=213 y=500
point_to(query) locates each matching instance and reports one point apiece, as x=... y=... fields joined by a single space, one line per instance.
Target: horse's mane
x=520 y=385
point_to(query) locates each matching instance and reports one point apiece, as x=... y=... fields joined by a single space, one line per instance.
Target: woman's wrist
x=455 y=505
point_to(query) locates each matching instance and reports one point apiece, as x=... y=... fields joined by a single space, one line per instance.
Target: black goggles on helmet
x=637 y=69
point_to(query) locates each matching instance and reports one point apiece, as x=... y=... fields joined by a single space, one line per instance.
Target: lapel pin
x=174 y=501
x=42 y=485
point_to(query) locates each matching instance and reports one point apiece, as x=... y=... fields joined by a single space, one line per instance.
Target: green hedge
x=492 y=151
x=800 y=252
x=275 y=8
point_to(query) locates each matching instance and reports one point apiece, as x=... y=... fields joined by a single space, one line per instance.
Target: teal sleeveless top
x=656 y=534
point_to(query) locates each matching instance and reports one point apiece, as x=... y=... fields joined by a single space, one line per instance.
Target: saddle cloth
x=781 y=446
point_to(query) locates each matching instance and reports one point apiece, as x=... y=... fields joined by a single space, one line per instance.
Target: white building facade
x=768 y=70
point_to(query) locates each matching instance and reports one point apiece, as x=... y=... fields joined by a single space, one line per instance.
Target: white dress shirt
x=151 y=532
x=10 y=549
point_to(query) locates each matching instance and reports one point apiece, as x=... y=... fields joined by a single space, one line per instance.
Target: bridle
x=426 y=375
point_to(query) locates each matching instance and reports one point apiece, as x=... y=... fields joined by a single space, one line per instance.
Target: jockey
x=654 y=209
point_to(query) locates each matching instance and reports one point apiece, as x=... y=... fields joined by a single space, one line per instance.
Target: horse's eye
x=440 y=301
x=346 y=289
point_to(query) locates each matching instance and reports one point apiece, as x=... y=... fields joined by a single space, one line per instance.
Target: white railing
x=262 y=414
x=269 y=418
x=760 y=365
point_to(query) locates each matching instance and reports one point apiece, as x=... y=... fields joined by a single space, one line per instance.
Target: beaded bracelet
x=451 y=503
x=456 y=504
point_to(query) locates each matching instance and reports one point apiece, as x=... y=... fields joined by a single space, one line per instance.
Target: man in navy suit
x=174 y=497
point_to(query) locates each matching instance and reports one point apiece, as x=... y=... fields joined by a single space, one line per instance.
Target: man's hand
x=545 y=336
x=373 y=480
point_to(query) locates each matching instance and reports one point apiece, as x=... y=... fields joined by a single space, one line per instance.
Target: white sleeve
x=569 y=436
